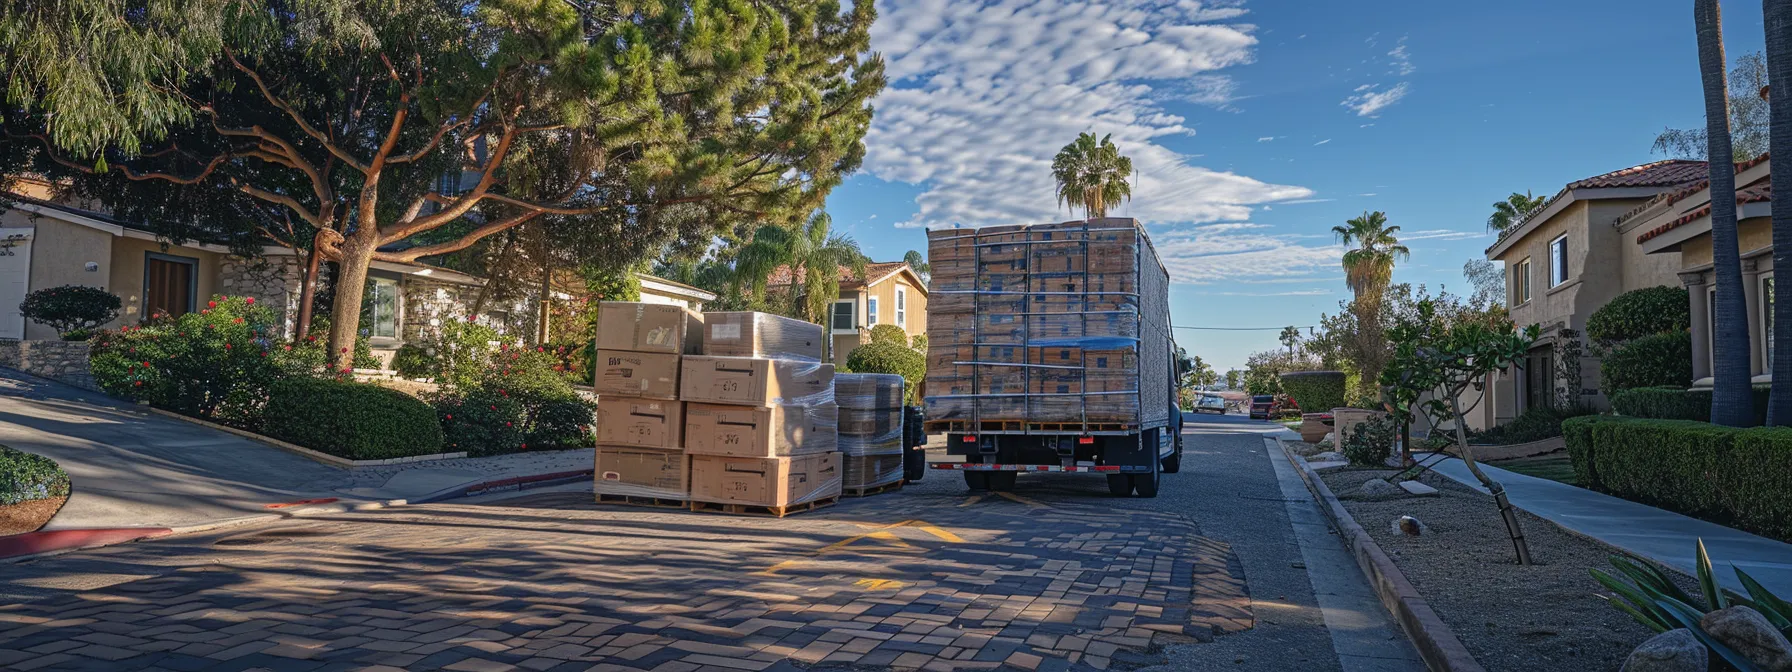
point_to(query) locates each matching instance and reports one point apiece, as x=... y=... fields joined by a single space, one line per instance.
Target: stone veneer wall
x=429 y=303
x=273 y=282
x=61 y=361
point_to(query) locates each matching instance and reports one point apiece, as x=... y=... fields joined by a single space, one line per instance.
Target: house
x=1678 y=229
x=45 y=244
x=893 y=294
x=1567 y=259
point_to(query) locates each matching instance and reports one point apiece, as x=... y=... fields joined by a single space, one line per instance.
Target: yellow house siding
x=915 y=321
x=128 y=255
x=60 y=252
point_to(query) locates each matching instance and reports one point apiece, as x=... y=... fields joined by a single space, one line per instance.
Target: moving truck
x=1050 y=350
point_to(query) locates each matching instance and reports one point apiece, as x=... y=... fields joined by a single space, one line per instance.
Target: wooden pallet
x=632 y=500
x=868 y=490
x=771 y=511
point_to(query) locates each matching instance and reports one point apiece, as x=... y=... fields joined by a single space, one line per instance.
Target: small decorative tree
x=887 y=351
x=1446 y=358
x=72 y=310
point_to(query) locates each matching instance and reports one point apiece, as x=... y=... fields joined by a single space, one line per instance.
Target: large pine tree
x=341 y=127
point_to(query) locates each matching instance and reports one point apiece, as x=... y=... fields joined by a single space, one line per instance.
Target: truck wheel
x=1002 y=481
x=1173 y=463
x=914 y=464
x=976 y=480
x=1145 y=484
x=1119 y=485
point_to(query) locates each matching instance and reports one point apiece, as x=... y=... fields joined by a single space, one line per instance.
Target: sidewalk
x=130 y=468
x=1662 y=536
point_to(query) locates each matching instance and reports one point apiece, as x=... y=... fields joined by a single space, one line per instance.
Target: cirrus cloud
x=983 y=94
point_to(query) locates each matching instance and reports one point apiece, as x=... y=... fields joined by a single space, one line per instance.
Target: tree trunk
x=351 y=285
x=307 y=293
x=491 y=277
x=1732 y=403
x=544 y=319
x=1507 y=513
x=1778 y=20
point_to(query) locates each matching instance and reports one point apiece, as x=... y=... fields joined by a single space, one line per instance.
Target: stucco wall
x=128 y=256
x=60 y=252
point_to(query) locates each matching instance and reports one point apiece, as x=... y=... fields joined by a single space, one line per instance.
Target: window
x=1521 y=281
x=871 y=311
x=170 y=284
x=1767 y=318
x=902 y=306
x=1558 y=260
x=843 y=314
x=382 y=307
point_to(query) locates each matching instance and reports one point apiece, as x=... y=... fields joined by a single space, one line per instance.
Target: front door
x=168 y=285
x=15 y=279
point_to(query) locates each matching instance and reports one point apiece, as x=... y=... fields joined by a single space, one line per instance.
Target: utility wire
x=1308 y=328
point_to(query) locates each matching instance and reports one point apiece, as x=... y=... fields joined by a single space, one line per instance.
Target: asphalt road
x=1223 y=570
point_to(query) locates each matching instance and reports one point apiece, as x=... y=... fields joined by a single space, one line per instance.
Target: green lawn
x=1554 y=466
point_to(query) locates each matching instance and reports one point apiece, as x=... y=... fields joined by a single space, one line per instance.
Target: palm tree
x=1778 y=19
x=1514 y=208
x=1370 y=266
x=1732 y=404
x=1092 y=175
x=814 y=255
x=1290 y=336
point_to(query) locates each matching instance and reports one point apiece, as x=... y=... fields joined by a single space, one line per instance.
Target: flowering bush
x=455 y=353
x=358 y=421
x=72 y=310
x=216 y=362
x=521 y=399
x=479 y=422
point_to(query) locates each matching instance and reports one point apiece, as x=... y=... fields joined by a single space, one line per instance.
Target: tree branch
x=413 y=254
x=294 y=114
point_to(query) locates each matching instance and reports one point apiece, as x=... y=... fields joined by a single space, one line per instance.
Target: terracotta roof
x=875 y=270
x=1759 y=191
x=1658 y=174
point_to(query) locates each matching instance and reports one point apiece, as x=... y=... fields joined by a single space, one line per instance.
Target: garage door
x=15 y=277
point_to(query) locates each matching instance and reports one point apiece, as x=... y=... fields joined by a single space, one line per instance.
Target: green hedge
x=357 y=421
x=1731 y=476
x=1651 y=361
x=1670 y=403
x=1315 y=391
x=26 y=477
x=1638 y=313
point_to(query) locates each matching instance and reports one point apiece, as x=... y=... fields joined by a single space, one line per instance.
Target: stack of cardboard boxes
x=640 y=420
x=760 y=418
x=870 y=430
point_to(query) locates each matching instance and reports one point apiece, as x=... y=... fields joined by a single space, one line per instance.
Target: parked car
x=1264 y=407
x=1210 y=403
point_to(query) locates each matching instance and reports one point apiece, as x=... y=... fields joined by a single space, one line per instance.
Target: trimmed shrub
x=891 y=355
x=1315 y=391
x=1535 y=424
x=480 y=422
x=357 y=421
x=72 y=310
x=1671 y=403
x=1651 y=361
x=1639 y=313
x=459 y=350
x=562 y=424
x=412 y=361
x=1372 y=441
x=1730 y=476
x=26 y=477
x=216 y=362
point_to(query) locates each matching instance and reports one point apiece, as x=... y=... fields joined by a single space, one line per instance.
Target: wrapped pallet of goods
x=640 y=420
x=870 y=431
x=761 y=425
x=1041 y=329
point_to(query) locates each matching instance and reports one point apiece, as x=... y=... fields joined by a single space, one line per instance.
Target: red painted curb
x=31 y=543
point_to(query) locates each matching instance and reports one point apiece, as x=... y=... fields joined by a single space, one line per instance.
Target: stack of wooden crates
x=870 y=431
x=760 y=417
x=1038 y=328
x=640 y=420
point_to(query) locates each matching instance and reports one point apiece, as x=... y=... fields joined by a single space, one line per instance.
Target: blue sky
x=1257 y=126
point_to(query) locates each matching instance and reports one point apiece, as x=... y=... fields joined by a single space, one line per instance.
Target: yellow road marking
x=879 y=584
x=881 y=534
x=939 y=532
x=1030 y=503
x=973 y=499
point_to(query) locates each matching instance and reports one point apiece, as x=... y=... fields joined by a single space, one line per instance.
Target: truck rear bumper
x=1074 y=469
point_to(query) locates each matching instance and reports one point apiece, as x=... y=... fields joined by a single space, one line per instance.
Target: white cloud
x=1267 y=138
x=871 y=218
x=983 y=94
x=1401 y=60
x=1441 y=234
x=1308 y=200
x=1206 y=254
x=1367 y=101
x=1367 y=194
x=1321 y=142
x=1297 y=292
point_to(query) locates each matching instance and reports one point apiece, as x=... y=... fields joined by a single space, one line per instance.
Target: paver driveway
x=917 y=579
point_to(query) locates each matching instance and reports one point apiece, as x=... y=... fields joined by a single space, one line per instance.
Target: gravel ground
x=1541 y=617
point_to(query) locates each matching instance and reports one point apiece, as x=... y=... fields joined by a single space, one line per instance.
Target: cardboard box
x=749 y=334
x=868 y=390
x=753 y=381
x=765 y=481
x=640 y=423
x=649 y=327
x=870 y=470
x=653 y=375
x=754 y=431
x=642 y=472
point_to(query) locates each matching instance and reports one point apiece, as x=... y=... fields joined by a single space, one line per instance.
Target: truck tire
x=977 y=480
x=1173 y=463
x=914 y=464
x=1002 y=481
x=1119 y=485
x=1146 y=484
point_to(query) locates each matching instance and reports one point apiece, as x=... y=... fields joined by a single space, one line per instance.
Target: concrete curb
x=301 y=451
x=59 y=542
x=1436 y=644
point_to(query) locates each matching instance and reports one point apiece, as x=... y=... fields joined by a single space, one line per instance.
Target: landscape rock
x=1418 y=489
x=1376 y=490
x=1671 y=651
x=1330 y=438
x=1750 y=634
x=1327 y=456
x=1409 y=526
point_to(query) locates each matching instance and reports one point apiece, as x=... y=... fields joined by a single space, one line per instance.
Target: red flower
x=146 y=365
x=450 y=416
x=345 y=349
x=506 y=424
x=226 y=346
x=139 y=383
x=250 y=300
x=237 y=321
x=494 y=407
x=211 y=304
